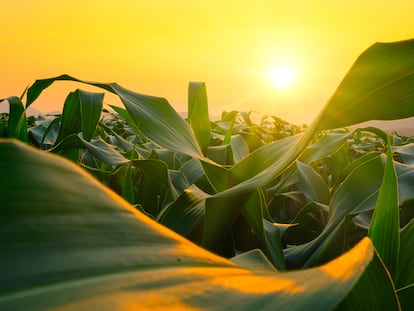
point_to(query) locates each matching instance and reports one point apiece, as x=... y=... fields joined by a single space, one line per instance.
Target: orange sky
x=157 y=47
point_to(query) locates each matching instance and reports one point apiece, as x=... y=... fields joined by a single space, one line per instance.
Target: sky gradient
x=157 y=47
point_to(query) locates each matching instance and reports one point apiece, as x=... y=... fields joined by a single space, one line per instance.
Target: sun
x=282 y=76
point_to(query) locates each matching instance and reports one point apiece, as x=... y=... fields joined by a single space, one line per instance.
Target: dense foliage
x=334 y=202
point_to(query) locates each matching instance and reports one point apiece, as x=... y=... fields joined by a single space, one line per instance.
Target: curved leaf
x=153 y=115
x=83 y=251
x=405 y=273
x=377 y=87
x=312 y=184
x=17 y=123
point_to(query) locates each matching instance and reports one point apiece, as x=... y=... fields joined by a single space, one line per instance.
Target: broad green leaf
x=262 y=158
x=357 y=193
x=218 y=220
x=154 y=116
x=91 y=107
x=192 y=170
x=325 y=146
x=125 y=115
x=101 y=150
x=217 y=175
x=385 y=224
x=154 y=186
x=178 y=181
x=185 y=213
x=71 y=117
x=166 y=156
x=268 y=235
x=127 y=191
x=198 y=113
x=312 y=184
x=17 y=124
x=254 y=260
x=377 y=87
x=82 y=251
x=405 y=272
x=405 y=296
x=239 y=148
x=372 y=283
x=220 y=154
x=46 y=130
x=230 y=118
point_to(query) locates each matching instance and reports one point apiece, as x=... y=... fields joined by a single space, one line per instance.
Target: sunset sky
x=157 y=47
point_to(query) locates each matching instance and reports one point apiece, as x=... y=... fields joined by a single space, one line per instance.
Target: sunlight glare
x=282 y=76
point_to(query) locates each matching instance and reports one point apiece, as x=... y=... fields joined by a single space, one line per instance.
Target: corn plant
x=318 y=216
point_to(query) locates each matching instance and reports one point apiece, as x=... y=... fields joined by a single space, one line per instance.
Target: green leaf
x=385 y=224
x=218 y=220
x=312 y=184
x=268 y=235
x=357 y=193
x=127 y=186
x=405 y=272
x=81 y=251
x=46 y=130
x=17 y=123
x=262 y=158
x=101 y=150
x=239 y=148
x=220 y=154
x=377 y=87
x=405 y=296
x=125 y=115
x=198 y=113
x=185 y=213
x=155 y=185
x=91 y=107
x=154 y=116
x=81 y=113
x=254 y=260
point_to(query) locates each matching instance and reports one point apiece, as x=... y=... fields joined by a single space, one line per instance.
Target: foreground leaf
x=385 y=225
x=377 y=87
x=63 y=247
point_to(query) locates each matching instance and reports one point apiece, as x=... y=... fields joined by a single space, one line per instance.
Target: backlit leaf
x=385 y=225
x=78 y=251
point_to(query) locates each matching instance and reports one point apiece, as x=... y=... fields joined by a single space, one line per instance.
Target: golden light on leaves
x=352 y=262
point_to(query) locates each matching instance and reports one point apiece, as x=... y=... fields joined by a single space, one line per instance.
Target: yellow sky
x=157 y=47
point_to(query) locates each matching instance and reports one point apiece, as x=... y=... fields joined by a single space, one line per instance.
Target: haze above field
x=275 y=57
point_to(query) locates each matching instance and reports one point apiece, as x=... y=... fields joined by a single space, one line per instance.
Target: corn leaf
x=77 y=251
x=17 y=124
x=377 y=87
x=268 y=235
x=185 y=213
x=239 y=148
x=198 y=113
x=91 y=107
x=312 y=184
x=385 y=225
x=357 y=193
x=405 y=273
x=101 y=150
x=254 y=260
x=154 y=116
x=405 y=296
